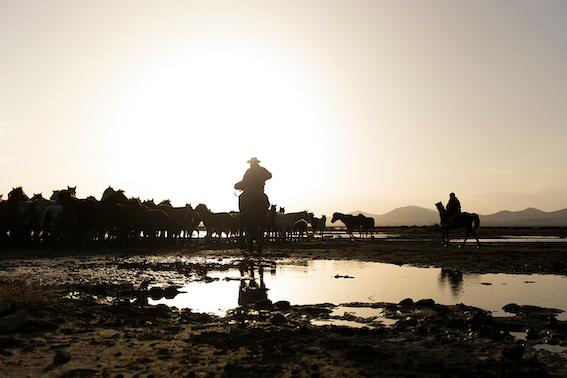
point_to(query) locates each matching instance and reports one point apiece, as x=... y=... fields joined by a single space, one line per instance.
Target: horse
x=366 y=225
x=9 y=212
x=214 y=222
x=72 y=190
x=469 y=221
x=182 y=219
x=351 y=222
x=253 y=210
x=284 y=222
x=70 y=220
x=318 y=224
x=300 y=227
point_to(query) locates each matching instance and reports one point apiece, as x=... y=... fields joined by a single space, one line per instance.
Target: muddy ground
x=85 y=313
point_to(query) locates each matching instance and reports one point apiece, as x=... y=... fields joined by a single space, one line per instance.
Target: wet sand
x=62 y=319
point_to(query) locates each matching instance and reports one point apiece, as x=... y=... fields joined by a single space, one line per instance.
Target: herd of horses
x=65 y=220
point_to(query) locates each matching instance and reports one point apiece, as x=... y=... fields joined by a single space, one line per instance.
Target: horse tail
x=476 y=221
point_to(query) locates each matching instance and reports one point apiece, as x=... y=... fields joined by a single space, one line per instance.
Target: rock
x=13 y=322
x=514 y=353
x=5 y=308
x=61 y=357
x=425 y=302
x=282 y=305
x=264 y=304
x=278 y=318
x=532 y=311
x=481 y=318
x=408 y=302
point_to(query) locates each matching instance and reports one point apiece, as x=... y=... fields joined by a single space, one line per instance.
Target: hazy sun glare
x=189 y=119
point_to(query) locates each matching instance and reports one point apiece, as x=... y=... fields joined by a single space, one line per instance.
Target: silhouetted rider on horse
x=453 y=208
x=253 y=202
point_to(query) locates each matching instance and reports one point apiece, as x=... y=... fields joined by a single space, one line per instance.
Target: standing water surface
x=344 y=281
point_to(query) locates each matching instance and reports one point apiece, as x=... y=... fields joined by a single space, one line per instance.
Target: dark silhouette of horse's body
x=469 y=221
x=215 y=222
x=9 y=210
x=318 y=224
x=253 y=211
x=351 y=222
x=284 y=222
x=300 y=228
x=366 y=225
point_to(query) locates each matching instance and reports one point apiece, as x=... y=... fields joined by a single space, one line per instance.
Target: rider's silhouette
x=253 y=203
x=253 y=182
x=453 y=207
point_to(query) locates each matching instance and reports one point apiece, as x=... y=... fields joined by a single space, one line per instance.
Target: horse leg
x=250 y=238
x=466 y=237
x=259 y=239
x=476 y=237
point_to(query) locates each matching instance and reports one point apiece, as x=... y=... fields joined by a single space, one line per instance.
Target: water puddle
x=322 y=281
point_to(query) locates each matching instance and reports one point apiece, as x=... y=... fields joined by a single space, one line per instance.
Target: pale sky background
x=352 y=105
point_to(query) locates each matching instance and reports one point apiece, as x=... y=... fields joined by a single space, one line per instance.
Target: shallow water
x=321 y=281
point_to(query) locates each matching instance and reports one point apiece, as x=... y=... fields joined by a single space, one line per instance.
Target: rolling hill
x=420 y=216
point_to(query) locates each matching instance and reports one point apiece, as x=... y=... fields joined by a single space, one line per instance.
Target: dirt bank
x=64 y=337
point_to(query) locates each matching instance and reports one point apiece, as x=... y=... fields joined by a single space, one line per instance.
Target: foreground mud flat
x=86 y=313
x=47 y=333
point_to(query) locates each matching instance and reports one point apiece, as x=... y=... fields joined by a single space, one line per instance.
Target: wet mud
x=86 y=313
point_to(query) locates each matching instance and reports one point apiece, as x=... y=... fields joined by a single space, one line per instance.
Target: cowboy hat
x=253 y=160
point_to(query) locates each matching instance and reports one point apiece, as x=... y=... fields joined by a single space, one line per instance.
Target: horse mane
x=165 y=203
x=108 y=192
x=19 y=192
x=35 y=196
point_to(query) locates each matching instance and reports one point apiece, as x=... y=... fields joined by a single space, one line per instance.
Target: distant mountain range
x=420 y=216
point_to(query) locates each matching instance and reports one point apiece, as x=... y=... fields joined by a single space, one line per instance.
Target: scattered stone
x=13 y=322
x=61 y=357
x=341 y=276
x=5 y=308
x=282 y=305
x=408 y=302
x=486 y=283
x=425 y=302
x=278 y=318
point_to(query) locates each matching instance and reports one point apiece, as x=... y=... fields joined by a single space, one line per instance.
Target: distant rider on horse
x=253 y=202
x=453 y=208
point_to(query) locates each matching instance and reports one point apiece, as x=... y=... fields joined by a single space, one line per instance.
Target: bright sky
x=351 y=105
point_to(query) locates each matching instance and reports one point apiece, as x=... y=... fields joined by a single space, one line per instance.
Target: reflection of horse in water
x=469 y=221
x=252 y=288
x=253 y=210
x=454 y=278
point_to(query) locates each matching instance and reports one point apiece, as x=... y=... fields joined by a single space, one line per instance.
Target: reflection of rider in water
x=250 y=291
x=254 y=179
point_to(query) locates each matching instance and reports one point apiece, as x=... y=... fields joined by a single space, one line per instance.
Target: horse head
x=108 y=192
x=440 y=207
x=36 y=197
x=165 y=203
x=202 y=210
x=72 y=190
x=17 y=194
x=282 y=209
x=336 y=217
